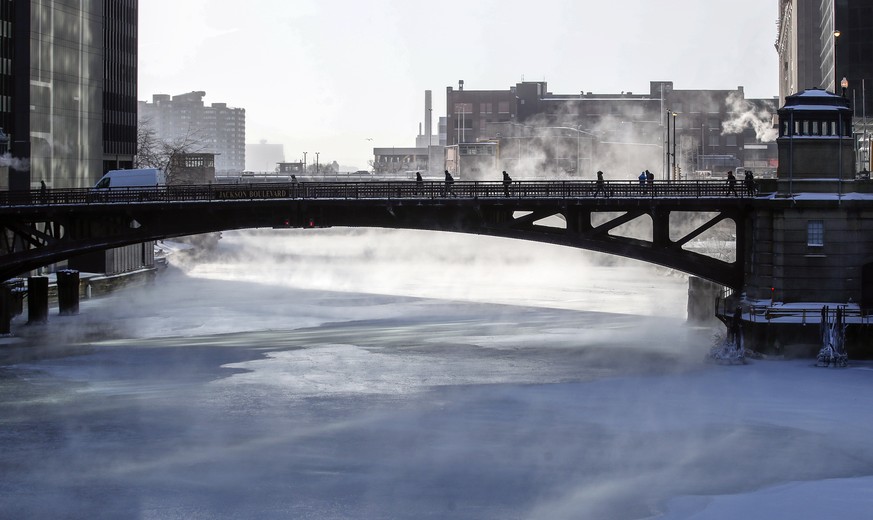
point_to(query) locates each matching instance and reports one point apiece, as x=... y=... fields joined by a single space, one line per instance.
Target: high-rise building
x=68 y=73
x=216 y=129
x=820 y=42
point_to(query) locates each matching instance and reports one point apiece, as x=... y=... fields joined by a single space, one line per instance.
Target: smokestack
x=460 y=84
x=428 y=123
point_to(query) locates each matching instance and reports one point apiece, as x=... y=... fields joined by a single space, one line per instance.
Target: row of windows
x=813 y=128
x=119 y=73
x=484 y=108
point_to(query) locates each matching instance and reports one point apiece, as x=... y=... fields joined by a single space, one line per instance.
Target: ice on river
x=403 y=386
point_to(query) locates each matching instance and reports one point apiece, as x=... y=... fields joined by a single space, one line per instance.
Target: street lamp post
x=304 y=163
x=667 y=153
x=674 y=147
x=844 y=84
x=316 y=162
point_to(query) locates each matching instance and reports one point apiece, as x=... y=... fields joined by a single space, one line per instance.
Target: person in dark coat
x=419 y=184
x=731 y=184
x=600 y=185
x=450 y=183
x=43 y=191
x=749 y=183
x=507 y=181
x=650 y=180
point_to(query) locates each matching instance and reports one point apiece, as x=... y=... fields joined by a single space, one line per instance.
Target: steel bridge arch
x=38 y=235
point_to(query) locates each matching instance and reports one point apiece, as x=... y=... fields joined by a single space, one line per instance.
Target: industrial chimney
x=428 y=114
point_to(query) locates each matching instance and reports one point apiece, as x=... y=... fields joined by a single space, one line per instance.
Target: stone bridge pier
x=810 y=244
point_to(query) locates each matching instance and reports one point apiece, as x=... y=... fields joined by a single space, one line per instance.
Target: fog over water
x=333 y=374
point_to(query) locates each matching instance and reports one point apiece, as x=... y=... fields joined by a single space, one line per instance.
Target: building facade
x=672 y=132
x=216 y=129
x=820 y=42
x=264 y=156
x=68 y=102
x=68 y=72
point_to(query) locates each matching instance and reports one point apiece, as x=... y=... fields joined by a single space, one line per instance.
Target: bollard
x=17 y=291
x=68 y=292
x=37 y=299
x=6 y=310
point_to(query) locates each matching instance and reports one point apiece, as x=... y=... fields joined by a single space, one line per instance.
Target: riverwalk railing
x=805 y=313
x=407 y=190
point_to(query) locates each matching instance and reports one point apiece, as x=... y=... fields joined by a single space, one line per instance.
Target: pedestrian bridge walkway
x=44 y=227
x=572 y=189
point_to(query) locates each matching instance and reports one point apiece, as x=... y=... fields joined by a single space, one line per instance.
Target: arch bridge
x=40 y=228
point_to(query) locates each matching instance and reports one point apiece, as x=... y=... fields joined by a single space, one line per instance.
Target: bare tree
x=155 y=152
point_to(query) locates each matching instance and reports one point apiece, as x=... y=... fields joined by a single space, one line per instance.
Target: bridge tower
x=809 y=243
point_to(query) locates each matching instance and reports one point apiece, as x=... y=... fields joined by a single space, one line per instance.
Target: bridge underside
x=35 y=236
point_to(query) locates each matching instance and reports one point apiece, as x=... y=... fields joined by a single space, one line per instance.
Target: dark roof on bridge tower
x=816 y=99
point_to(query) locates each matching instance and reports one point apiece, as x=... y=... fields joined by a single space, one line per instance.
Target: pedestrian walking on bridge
x=507 y=181
x=419 y=184
x=450 y=185
x=731 y=184
x=749 y=183
x=600 y=185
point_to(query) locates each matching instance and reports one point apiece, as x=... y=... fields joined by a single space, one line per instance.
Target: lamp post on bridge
x=316 y=162
x=670 y=173
x=673 y=173
x=667 y=153
x=844 y=84
x=304 y=163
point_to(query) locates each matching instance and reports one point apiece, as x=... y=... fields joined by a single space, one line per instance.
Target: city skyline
x=342 y=78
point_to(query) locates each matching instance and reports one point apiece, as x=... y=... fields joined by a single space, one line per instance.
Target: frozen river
x=391 y=374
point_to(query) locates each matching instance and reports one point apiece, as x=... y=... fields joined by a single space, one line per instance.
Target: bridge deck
x=376 y=190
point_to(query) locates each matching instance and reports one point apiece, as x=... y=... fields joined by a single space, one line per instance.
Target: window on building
x=730 y=140
x=485 y=108
x=815 y=233
x=503 y=107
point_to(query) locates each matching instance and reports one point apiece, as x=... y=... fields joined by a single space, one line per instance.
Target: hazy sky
x=327 y=75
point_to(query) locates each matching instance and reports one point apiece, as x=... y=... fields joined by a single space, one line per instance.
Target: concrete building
x=216 y=129
x=396 y=160
x=264 y=156
x=68 y=73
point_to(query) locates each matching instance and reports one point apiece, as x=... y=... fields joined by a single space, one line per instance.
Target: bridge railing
x=373 y=190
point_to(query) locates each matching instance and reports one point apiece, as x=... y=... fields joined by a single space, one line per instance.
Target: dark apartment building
x=672 y=132
x=216 y=129
x=68 y=72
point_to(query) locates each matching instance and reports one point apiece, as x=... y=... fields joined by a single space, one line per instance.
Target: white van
x=140 y=178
